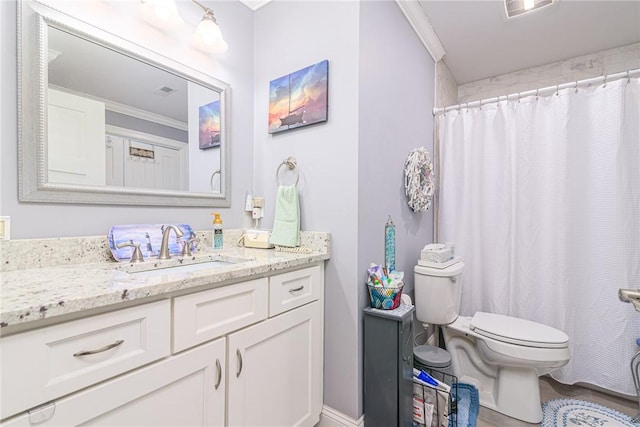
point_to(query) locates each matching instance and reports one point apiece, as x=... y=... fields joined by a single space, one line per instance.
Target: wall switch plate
x=5 y=227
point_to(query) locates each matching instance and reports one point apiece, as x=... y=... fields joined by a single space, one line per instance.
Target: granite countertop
x=34 y=294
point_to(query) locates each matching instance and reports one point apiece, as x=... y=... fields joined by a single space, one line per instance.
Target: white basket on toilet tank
x=502 y=356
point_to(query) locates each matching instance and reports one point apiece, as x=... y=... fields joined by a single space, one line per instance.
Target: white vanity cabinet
x=244 y=354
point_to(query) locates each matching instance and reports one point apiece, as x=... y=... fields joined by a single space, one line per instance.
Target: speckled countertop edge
x=35 y=294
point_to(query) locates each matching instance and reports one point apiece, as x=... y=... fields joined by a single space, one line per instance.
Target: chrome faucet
x=164 y=246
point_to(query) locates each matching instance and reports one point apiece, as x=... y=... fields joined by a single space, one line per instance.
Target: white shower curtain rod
x=549 y=89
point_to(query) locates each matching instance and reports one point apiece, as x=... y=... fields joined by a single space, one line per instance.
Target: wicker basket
x=385 y=298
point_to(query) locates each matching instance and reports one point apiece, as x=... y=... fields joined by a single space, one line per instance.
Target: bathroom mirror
x=102 y=120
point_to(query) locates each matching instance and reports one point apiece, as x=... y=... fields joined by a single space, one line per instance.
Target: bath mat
x=467 y=401
x=573 y=413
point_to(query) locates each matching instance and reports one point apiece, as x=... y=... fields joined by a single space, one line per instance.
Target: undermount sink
x=179 y=269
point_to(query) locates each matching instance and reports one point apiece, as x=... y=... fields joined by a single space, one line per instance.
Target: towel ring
x=217 y=172
x=291 y=163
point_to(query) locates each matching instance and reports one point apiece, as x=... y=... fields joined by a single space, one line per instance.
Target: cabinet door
x=275 y=371
x=75 y=150
x=183 y=390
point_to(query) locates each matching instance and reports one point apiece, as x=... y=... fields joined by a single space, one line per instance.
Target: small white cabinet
x=275 y=370
x=244 y=354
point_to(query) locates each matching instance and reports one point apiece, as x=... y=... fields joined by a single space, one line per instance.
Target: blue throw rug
x=573 y=413
x=467 y=402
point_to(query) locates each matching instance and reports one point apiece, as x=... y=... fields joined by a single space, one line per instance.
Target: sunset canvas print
x=209 y=125
x=299 y=99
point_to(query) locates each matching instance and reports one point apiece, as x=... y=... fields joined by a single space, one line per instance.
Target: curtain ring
x=605 y=81
x=467 y=106
x=576 y=86
x=518 y=97
x=557 y=90
x=628 y=77
x=537 y=94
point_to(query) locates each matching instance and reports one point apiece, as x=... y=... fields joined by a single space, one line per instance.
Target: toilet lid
x=517 y=331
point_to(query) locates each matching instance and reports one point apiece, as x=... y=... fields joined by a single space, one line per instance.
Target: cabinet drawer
x=293 y=289
x=47 y=363
x=206 y=315
x=184 y=390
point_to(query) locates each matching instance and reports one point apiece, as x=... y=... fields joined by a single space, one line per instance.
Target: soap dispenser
x=217 y=231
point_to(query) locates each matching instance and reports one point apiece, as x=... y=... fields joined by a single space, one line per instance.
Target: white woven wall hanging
x=419 y=179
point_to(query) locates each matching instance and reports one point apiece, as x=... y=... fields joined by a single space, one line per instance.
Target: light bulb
x=529 y=4
x=208 y=36
x=161 y=13
x=208 y=31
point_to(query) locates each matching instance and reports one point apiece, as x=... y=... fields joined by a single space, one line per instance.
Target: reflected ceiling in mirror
x=111 y=122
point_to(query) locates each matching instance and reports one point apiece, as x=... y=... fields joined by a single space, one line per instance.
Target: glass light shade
x=209 y=37
x=161 y=13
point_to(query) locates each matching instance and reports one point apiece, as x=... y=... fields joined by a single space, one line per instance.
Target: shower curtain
x=542 y=198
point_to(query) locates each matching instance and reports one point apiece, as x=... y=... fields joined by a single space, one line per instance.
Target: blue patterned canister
x=390 y=245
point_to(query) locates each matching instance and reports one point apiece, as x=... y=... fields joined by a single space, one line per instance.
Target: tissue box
x=437 y=253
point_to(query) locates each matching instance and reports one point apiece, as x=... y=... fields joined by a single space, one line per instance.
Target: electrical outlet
x=256 y=213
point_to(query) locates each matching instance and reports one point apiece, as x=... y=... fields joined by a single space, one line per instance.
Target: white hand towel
x=286 y=224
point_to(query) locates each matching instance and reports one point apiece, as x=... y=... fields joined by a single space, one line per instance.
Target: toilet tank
x=437 y=293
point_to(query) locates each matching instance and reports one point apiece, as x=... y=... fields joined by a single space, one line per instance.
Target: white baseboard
x=332 y=418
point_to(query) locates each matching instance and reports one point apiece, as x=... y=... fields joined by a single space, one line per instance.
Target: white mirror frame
x=33 y=22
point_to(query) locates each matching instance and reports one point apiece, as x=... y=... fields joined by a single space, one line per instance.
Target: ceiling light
x=208 y=36
x=518 y=7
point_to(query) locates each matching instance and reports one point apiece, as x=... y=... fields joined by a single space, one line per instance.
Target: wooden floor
x=550 y=389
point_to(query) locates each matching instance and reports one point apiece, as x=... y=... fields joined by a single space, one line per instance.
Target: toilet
x=502 y=356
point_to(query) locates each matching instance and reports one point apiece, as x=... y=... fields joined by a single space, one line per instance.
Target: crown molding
x=255 y=4
x=421 y=25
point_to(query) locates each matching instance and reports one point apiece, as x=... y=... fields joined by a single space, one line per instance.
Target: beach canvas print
x=209 y=125
x=299 y=99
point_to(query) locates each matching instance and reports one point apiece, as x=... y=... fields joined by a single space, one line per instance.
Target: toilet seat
x=517 y=331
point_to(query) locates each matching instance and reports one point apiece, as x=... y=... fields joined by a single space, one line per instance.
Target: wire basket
x=385 y=298
x=435 y=407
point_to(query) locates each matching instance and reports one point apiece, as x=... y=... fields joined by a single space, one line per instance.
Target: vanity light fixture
x=515 y=8
x=164 y=15
x=208 y=36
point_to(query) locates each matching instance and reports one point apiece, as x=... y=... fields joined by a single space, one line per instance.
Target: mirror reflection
x=119 y=122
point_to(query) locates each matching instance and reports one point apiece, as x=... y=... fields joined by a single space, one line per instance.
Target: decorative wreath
x=419 y=179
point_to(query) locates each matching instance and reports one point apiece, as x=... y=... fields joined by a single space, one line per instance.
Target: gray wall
x=35 y=220
x=290 y=36
x=380 y=101
x=396 y=101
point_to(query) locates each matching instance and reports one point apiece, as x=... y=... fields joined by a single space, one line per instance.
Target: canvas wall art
x=299 y=99
x=209 y=125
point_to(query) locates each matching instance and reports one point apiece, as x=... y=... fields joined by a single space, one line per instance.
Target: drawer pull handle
x=296 y=289
x=98 y=350
x=239 y=362
x=219 y=369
